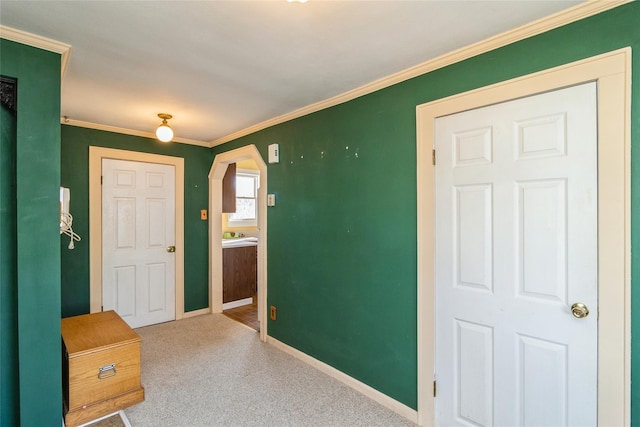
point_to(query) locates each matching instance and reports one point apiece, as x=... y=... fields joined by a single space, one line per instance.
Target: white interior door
x=516 y=246
x=138 y=228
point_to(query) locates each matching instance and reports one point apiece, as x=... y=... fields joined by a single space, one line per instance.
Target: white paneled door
x=138 y=239
x=516 y=248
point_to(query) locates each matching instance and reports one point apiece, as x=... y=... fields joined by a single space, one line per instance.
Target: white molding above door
x=612 y=72
x=96 y=154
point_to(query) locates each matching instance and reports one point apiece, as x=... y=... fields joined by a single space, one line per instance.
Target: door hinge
x=101 y=179
x=434 y=388
x=433 y=156
x=102 y=309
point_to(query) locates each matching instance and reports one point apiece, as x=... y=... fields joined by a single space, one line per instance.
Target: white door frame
x=218 y=168
x=96 y=154
x=612 y=71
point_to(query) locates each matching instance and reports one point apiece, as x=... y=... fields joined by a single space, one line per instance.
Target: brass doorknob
x=579 y=310
x=171 y=249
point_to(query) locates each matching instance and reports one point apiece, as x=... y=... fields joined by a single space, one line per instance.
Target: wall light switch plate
x=274 y=153
x=203 y=214
x=271 y=199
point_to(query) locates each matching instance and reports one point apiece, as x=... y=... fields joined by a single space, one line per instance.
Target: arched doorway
x=218 y=169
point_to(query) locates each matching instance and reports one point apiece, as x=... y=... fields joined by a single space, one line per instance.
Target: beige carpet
x=212 y=371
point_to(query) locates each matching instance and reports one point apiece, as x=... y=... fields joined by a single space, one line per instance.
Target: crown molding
x=575 y=13
x=559 y=19
x=40 y=42
x=115 y=129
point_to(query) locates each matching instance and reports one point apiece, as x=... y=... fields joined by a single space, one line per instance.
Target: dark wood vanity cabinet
x=239 y=273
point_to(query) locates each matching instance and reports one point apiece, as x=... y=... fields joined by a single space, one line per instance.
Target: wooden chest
x=100 y=366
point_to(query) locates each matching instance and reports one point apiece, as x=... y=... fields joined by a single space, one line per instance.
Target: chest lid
x=89 y=333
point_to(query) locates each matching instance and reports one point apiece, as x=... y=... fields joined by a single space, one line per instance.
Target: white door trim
x=96 y=154
x=218 y=168
x=612 y=71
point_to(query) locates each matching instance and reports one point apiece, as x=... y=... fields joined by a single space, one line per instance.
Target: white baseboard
x=386 y=401
x=238 y=303
x=195 y=313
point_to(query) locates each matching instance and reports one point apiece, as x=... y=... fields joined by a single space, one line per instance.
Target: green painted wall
x=342 y=238
x=8 y=261
x=75 y=175
x=34 y=308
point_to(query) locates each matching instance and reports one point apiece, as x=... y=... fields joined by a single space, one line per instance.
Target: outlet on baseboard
x=272 y=312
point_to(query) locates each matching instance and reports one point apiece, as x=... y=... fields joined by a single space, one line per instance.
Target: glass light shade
x=164 y=133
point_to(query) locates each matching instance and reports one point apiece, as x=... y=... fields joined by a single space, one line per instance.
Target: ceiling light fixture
x=164 y=131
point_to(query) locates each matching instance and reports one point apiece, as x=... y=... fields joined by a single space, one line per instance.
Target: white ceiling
x=222 y=66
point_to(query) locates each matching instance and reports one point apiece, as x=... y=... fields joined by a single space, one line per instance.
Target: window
x=246 y=214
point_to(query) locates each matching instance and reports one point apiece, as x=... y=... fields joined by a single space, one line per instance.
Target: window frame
x=237 y=223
